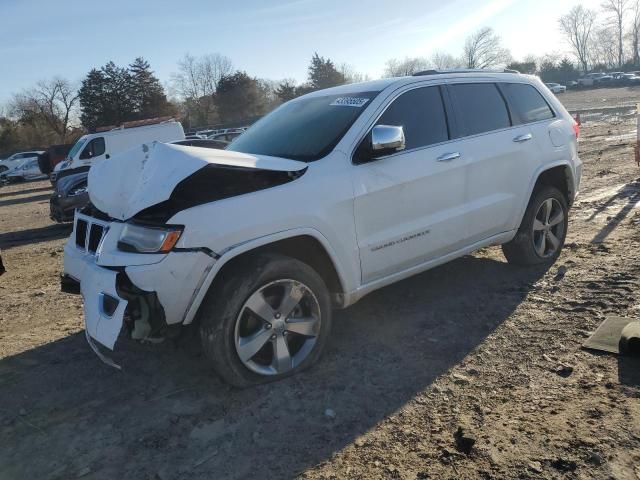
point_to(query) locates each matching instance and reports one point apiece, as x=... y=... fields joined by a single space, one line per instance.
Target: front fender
x=236 y=250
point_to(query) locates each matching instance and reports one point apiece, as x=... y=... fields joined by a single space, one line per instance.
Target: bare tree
x=52 y=102
x=618 y=9
x=196 y=83
x=198 y=77
x=634 y=34
x=604 y=48
x=351 y=75
x=483 y=49
x=577 y=26
x=446 y=61
x=402 y=68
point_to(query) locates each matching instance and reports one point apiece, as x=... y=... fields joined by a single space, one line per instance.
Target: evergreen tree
x=147 y=93
x=323 y=73
x=286 y=91
x=91 y=96
x=239 y=97
x=113 y=95
x=118 y=95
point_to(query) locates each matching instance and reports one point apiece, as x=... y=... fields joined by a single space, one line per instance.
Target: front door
x=409 y=205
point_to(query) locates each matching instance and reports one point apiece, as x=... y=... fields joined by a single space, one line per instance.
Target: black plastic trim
x=205 y=250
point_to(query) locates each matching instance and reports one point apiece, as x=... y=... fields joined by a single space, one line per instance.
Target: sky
x=40 y=39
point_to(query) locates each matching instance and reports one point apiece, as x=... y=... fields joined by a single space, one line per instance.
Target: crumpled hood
x=146 y=175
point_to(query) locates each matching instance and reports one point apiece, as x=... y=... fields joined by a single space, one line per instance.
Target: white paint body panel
x=422 y=212
x=120 y=140
x=146 y=175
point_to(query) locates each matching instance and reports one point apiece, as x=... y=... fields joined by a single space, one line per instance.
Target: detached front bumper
x=118 y=287
x=103 y=308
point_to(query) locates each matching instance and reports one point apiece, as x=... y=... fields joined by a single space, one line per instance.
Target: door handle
x=523 y=138
x=447 y=157
x=107 y=156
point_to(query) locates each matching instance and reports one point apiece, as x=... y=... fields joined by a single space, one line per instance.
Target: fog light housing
x=109 y=304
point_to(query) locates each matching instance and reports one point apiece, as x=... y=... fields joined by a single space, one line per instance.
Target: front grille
x=89 y=234
x=95 y=235
x=81 y=233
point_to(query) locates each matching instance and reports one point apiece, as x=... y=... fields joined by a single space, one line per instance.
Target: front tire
x=543 y=230
x=269 y=321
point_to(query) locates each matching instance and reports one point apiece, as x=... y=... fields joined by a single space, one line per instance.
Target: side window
x=93 y=149
x=98 y=146
x=527 y=104
x=479 y=108
x=421 y=113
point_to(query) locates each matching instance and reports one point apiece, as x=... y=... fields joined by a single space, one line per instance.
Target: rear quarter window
x=526 y=103
x=479 y=108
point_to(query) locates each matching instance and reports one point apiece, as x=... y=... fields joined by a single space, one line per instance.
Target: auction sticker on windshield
x=349 y=102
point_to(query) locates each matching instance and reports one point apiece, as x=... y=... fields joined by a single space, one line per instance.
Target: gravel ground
x=477 y=346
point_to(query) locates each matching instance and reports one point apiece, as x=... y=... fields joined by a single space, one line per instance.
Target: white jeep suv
x=327 y=198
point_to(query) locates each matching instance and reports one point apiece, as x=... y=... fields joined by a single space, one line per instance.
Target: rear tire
x=275 y=311
x=543 y=230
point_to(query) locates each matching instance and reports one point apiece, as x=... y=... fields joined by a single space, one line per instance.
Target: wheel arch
x=557 y=174
x=307 y=245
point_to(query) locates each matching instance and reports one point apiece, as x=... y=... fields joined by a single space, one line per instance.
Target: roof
x=379 y=85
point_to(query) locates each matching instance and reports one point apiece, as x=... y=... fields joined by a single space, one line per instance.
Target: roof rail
x=462 y=70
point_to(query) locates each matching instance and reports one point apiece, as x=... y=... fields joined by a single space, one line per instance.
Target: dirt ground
x=477 y=344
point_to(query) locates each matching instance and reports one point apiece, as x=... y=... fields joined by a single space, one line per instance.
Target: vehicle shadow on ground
x=166 y=415
x=18 y=201
x=35 y=235
x=631 y=195
x=24 y=192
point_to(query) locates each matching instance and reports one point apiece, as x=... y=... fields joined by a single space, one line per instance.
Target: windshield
x=306 y=129
x=76 y=148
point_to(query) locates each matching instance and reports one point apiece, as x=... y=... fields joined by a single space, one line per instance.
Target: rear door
x=500 y=155
x=408 y=205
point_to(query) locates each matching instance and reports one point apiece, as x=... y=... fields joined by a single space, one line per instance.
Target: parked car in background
x=52 y=156
x=630 y=79
x=95 y=147
x=205 y=133
x=28 y=169
x=229 y=136
x=70 y=191
x=329 y=197
x=594 y=79
x=17 y=158
x=203 y=143
x=556 y=87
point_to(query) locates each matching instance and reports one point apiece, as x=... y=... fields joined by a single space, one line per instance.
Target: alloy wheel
x=277 y=327
x=548 y=228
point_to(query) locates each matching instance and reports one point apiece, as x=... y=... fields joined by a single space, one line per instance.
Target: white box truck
x=95 y=147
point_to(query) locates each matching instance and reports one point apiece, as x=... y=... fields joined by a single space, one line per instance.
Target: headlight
x=135 y=238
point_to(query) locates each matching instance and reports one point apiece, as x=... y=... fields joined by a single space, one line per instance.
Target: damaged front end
x=145 y=295
x=137 y=273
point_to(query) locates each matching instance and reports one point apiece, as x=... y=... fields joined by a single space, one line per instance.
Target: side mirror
x=387 y=139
